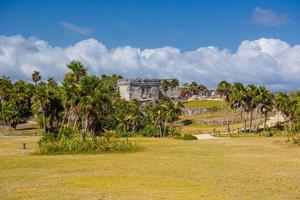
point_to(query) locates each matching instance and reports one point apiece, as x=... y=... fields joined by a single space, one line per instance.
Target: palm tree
x=281 y=101
x=87 y=88
x=40 y=101
x=265 y=103
x=165 y=85
x=36 y=77
x=292 y=113
x=194 y=88
x=171 y=112
x=251 y=102
x=224 y=90
x=6 y=87
x=77 y=70
x=237 y=99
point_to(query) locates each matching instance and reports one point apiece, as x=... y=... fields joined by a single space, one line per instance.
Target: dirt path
x=206 y=137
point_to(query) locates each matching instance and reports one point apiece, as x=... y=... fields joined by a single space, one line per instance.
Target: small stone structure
x=144 y=89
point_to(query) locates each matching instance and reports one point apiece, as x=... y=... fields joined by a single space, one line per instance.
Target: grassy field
x=229 y=168
x=218 y=111
x=204 y=104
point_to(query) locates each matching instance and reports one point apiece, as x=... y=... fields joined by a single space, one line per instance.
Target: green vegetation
x=194 y=89
x=85 y=106
x=69 y=143
x=212 y=105
x=186 y=137
x=230 y=168
x=244 y=109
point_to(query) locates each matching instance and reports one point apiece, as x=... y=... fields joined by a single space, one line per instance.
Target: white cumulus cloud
x=271 y=62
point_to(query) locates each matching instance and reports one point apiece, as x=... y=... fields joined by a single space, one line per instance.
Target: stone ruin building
x=144 y=90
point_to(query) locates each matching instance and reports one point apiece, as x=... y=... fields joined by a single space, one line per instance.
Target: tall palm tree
x=292 y=113
x=237 y=100
x=281 y=102
x=265 y=103
x=36 y=77
x=165 y=85
x=41 y=99
x=251 y=102
x=77 y=70
x=171 y=111
x=224 y=90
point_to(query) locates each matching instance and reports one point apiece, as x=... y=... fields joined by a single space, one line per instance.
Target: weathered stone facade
x=144 y=90
x=140 y=89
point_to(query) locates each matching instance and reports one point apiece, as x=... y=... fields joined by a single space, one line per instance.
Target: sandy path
x=206 y=137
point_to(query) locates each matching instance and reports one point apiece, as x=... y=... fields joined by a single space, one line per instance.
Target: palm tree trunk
x=251 y=118
x=44 y=121
x=160 y=131
x=294 y=127
x=265 y=122
x=228 y=126
x=232 y=120
x=63 y=121
x=255 y=121
x=74 y=124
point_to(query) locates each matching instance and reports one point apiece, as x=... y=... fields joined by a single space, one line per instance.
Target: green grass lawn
x=229 y=168
x=204 y=104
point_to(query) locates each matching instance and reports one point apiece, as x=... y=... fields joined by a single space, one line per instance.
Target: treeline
x=258 y=102
x=84 y=104
x=194 y=88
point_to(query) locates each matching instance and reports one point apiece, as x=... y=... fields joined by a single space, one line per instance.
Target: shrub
x=76 y=144
x=279 y=126
x=125 y=134
x=186 y=137
x=150 y=131
x=271 y=131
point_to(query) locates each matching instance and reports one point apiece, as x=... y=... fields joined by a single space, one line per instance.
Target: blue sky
x=249 y=41
x=184 y=24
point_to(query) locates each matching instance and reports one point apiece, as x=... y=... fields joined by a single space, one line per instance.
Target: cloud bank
x=271 y=62
x=267 y=17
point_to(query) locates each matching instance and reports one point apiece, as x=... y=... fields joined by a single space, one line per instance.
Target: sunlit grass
x=204 y=104
x=229 y=168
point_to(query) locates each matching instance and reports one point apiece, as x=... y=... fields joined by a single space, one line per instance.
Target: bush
x=271 y=131
x=150 y=131
x=186 y=137
x=76 y=144
x=125 y=134
x=279 y=126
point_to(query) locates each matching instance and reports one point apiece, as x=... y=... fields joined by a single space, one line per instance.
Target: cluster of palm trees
x=163 y=113
x=15 y=101
x=255 y=103
x=82 y=103
x=194 y=89
x=169 y=84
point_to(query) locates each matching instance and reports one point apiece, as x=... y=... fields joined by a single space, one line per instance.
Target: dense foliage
x=89 y=105
x=84 y=104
